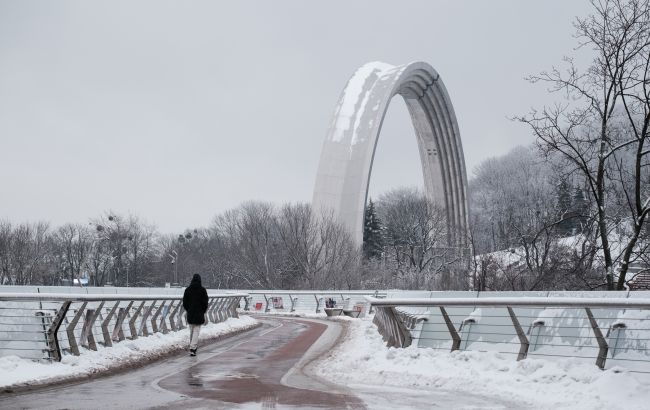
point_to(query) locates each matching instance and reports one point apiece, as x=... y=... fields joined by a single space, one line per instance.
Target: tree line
x=255 y=245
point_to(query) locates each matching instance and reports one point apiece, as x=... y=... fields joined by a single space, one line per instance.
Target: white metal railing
x=614 y=329
x=350 y=301
x=49 y=325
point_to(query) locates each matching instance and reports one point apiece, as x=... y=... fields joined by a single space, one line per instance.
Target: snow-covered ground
x=362 y=357
x=14 y=370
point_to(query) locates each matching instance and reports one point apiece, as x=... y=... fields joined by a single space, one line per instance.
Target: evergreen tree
x=372 y=236
x=580 y=209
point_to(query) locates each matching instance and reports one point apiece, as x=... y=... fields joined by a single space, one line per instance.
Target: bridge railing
x=611 y=331
x=50 y=325
x=309 y=301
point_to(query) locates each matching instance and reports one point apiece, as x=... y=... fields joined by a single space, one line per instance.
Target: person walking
x=195 y=303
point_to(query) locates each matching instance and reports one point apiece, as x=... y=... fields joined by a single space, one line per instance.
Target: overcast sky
x=176 y=111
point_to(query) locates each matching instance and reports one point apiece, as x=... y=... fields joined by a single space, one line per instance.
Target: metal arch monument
x=346 y=160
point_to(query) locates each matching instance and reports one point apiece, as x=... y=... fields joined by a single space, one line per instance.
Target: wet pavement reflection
x=252 y=372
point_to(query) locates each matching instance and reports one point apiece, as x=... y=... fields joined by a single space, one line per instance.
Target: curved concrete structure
x=346 y=160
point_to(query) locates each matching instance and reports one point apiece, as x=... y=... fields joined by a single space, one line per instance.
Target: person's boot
x=192 y=352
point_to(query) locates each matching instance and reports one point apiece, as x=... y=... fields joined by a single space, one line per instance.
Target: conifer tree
x=372 y=233
x=580 y=209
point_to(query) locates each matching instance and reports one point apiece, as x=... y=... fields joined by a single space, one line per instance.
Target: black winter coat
x=195 y=301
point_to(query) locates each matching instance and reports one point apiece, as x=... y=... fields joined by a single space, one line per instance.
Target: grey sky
x=178 y=110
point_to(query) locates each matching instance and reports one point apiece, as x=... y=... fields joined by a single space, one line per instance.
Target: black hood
x=196 y=280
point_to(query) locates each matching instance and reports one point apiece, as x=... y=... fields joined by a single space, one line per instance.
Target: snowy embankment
x=15 y=371
x=362 y=357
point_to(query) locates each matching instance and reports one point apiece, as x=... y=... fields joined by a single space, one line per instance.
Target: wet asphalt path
x=255 y=369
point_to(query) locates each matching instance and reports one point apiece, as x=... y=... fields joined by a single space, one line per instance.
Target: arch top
x=346 y=159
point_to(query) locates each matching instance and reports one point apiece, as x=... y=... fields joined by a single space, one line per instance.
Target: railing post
x=172 y=316
x=87 y=336
x=143 y=323
x=107 y=337
x=233 y=307
x=85 y=329
x=317 y=303
x=134 y=331
x=523 y=340
x=154 y=319
x=163 y=321
x=118 y=332
x=208 y=312
x=455 y=345
x=217 y=315
x=72 y=340
x=181 y=321
x=602 y=343
x=214 y=310
x=229 y=309
x=391 y=327
x=267 y=309
x=53 y=331
x=221 y=312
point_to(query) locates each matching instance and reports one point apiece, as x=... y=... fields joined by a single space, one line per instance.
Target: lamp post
x=174 y=256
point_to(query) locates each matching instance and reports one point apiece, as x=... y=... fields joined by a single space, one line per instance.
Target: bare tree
x=416 y=241
x=250 y=232
x=606 y=110
x=72 y=245
x=6 y=232
x=320 y=252
x=23 y=252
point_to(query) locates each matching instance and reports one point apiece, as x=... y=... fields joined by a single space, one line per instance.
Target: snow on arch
x=348 y=151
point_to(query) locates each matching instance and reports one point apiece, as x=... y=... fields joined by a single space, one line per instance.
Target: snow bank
x=363 y=358
x=17 y=371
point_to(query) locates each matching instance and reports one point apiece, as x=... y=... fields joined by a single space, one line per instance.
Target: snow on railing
x=614 y=330
x=47 y=325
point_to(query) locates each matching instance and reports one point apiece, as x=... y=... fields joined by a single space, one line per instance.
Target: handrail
x=623 y=303
x=315 y=292
x=395 y=325
x=148 y=315
x=84 y=297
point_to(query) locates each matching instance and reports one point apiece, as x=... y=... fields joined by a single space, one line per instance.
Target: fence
x=49 y=325
x=611 y=331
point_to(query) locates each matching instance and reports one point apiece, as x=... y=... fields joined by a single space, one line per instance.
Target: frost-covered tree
x=507 y=192
x=415 y=249
x=601 y=126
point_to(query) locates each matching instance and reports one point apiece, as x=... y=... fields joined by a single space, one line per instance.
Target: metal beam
x=72 y=339
x=108 y=342
x=53 y=331
x=602 y=343
x=523 y=340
